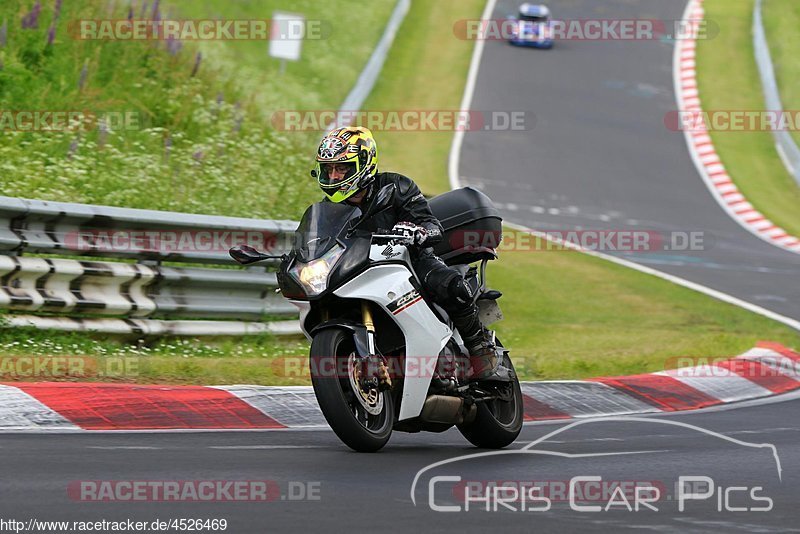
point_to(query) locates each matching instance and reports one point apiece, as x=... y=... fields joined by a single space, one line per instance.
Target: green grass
x=781 y=20
x=329 y=65
x=204 y=142
x=224 y=157
x=570 y=315
x=567 y=315
x=728 y=79
x=426 y=70
x=97 y=357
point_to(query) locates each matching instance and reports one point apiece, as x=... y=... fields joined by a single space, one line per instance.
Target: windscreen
x=320 y=226
x=532 y=18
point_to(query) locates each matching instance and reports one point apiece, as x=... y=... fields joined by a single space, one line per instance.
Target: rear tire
x=497 y=423
x=347 y=416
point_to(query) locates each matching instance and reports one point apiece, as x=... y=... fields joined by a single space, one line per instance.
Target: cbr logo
x=408 y=297
x=389 y=252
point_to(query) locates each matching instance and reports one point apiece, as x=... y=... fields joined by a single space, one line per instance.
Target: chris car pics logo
x=447 y=486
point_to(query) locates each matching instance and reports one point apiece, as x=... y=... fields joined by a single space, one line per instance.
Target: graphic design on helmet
x=330 y=147
x=346 y=162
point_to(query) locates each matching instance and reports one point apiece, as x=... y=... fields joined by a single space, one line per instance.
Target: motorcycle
x=383 y=356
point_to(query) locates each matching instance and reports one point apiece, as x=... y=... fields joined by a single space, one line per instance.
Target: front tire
x=497 y=423
x=363 y=421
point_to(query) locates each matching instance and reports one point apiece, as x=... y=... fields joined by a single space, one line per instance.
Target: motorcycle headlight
x=313 y=276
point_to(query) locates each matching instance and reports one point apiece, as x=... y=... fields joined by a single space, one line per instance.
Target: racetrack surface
x=372 y=491
x=599 y=156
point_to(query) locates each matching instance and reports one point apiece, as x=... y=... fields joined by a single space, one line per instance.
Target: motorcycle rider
x=347 y=171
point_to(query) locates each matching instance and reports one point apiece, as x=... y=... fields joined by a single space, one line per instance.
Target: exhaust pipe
x=448 y=410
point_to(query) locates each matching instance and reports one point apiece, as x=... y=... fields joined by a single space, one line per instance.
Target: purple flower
x=51 y=35
x=197 y=59
x=31 y=20
x=4 y=34
x=144 y=10
x=84 y=74
x=73 y=147
x=57 y=11
x=130 y=13
x=198 y=155
x=156 y=16
x=173 y=45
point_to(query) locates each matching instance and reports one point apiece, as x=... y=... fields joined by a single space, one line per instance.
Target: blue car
x=532 y=27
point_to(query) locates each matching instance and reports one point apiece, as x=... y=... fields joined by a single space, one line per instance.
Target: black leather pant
x=448 y=289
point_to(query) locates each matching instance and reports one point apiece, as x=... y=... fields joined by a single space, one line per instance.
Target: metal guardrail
x=143 y=297
x=38 y=226
x=784 y=142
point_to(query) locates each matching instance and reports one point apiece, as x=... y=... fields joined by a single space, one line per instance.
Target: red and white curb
x=702 y=150
x=769 y=369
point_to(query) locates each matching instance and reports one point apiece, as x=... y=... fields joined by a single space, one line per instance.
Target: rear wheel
x=499 y=421
x=361 y=418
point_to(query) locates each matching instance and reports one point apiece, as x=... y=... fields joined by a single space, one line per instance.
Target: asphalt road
x=372 y=492
x=599 y=157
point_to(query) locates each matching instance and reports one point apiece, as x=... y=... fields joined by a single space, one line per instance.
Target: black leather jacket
x=409 y=206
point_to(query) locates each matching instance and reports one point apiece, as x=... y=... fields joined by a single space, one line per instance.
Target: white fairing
x=425 y=334
x=304 y=307
x=389 y=252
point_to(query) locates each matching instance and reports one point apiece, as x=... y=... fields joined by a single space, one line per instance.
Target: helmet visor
x=333 y=175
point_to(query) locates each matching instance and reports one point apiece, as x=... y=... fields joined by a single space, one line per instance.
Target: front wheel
x=499 y=421
x=361 y=418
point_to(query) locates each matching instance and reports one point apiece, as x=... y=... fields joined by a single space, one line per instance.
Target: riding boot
x=482 y=352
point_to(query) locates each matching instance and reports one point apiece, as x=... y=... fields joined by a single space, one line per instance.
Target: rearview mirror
x=245 y=254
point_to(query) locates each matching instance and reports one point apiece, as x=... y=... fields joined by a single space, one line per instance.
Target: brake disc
x=370 y=399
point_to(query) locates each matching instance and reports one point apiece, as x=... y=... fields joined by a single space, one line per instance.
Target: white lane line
x=466 y=100
x=757 y=431
x=618 y=453
x=455 y=183
x=719 y=295
x=790 y=396
x=125 y=447
x=562 y=442
x=669 y=436
x=266 y=447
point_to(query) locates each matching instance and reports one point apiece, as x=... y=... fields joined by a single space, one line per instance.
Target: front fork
x=384 y=381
